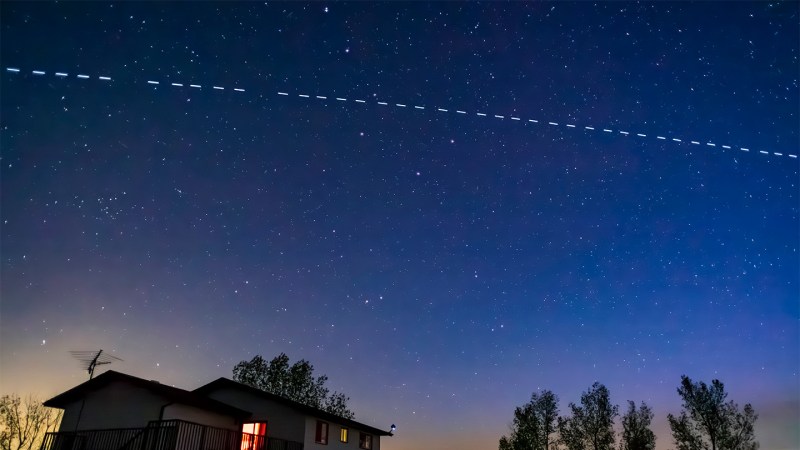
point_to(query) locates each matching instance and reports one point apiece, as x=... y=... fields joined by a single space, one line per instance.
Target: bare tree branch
x=23 y=422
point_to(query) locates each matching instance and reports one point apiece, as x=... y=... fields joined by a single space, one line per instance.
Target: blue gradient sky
x=437 y=266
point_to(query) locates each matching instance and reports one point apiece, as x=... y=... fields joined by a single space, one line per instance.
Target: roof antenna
x=92 y=358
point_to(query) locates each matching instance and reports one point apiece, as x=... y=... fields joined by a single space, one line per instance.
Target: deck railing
x=165 y=435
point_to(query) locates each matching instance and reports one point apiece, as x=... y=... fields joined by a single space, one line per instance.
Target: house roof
x=172 y=394
x=221 y=383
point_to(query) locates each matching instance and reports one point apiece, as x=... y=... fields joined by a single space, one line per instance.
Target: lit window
x=365 y=441
x=322 y=432
x=254 y=436
x=343 y=435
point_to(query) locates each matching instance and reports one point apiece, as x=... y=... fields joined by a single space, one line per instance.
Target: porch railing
x=165 y=435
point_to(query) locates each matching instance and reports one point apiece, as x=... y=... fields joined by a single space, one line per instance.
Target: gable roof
x=222 y=383
x=173 y=394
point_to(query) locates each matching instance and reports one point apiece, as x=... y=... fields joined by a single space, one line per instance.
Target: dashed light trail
x=41 y=73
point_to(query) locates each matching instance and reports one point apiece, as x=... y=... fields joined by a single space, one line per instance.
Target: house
x=317 y=429
x=117 y=400
x=116 y=411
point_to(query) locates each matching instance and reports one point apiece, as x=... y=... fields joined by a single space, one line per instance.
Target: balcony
x=164 y=435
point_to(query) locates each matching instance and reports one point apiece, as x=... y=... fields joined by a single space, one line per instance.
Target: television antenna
x=90 y=359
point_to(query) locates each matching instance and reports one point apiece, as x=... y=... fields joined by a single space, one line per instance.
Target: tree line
x=706 y=422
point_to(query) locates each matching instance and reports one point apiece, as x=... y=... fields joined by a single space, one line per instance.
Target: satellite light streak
x=40 y=73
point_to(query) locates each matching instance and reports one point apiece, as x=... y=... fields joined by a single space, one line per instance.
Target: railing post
x=202 y=439
x=145 y=437
x=164 y=435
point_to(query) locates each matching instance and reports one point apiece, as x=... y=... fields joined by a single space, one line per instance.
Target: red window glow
x=254 y=436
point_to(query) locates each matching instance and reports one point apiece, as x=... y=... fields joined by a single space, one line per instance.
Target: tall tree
x=533 y=424
x=547 y=405
x=636 y=432
x=24 y=421
x=707 y=422
x=592 y=424
x=295 y=382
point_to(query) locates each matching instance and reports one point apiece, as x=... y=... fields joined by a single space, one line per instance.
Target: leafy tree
x=295 y=382
x=592 y=424
x=337 y=404
x=707 y=422
x=533 y=424
x=23 y=422
x=636 y=432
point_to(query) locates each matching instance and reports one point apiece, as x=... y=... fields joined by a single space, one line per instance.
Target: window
x=322 y=432
x=257 y=428
x=343 y=435
x=365 y=441
x=254 y=436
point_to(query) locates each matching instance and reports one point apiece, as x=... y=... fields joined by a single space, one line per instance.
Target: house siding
x=118 y=405
x=282 y=421
x=201 y=416
x=122 y=405
x=333 y=437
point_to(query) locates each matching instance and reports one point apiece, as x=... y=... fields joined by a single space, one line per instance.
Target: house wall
x=201 y=416
x=334 y=443
x=122 y=405
x=282 y=422
x=117 y=405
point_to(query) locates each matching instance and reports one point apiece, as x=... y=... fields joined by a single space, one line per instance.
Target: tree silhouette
x=636 y=432
x=23 y=422
x=533 y=424
x=707 y=422
x=592 y=424
x=295 y=382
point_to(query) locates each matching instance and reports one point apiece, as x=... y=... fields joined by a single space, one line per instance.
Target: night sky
x=444 y=207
